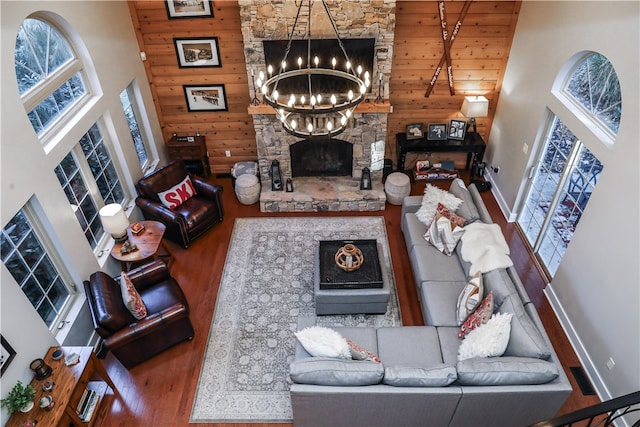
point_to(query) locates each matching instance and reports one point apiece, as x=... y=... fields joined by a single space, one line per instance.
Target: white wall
x=596 y=290
x=27 y=171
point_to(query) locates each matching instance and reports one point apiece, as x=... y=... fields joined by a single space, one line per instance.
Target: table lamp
x=473 y=107
x=114 y=221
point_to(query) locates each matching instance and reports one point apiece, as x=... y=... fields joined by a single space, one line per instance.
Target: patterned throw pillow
x=178 y=194
x=488 y=340
x=469 y=298
x=443 y=234
x=360 y=353
x=131 y=298
x=479 y=317
x=456 y=219
x=432 y=196
x=324 y=342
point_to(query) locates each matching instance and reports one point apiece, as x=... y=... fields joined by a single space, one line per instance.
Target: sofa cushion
x=449 y=343
x=335 y=372
x=505 y=371
x=324 y=342
x=469 y=298
x=467 y=208
x=439 y=302
x=406 y=376
x=429 y=264
x=432 y=196
x=488 y=340
x=525 y=340
x=499 y=284
x=414 y=231
x=444 y=233
x=413 y=346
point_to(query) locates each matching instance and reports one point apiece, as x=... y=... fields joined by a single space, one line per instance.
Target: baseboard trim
x=502 y=204
x=582 y=353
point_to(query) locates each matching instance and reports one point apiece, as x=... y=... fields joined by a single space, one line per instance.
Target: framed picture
x=189 y=8
x=457 y=129
x=437 y=132
x=7 y=353
x=198 y=52
x=205 y=98
x=414 y=131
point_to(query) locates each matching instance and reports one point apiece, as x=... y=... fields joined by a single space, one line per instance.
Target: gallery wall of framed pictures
x=456 y=130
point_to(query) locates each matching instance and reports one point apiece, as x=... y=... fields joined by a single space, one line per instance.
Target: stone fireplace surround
x=272 y=20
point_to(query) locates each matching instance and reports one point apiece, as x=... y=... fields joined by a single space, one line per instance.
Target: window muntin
x=27 y=260
x=101 y=165
x=48 y=73
x=595 y=86
x=129 y=109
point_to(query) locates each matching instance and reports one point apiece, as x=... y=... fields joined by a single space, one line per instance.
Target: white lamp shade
x=114 y=220
x=475 y=106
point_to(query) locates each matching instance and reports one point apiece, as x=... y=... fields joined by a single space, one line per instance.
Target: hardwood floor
x=160 y=392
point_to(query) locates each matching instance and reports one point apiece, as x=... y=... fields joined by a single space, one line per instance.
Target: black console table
x=473 y=145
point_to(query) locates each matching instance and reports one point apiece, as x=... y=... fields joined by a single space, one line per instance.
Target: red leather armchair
x=193 y=217
x=133 y=341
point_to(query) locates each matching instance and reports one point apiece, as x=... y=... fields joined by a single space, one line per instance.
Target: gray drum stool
x=248 y=189
x=397 y=187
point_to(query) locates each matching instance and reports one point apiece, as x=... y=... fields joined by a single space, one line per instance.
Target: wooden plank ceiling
x=479 y=56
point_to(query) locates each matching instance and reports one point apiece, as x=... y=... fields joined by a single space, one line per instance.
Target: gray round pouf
x=248 y=189
x=397 y=187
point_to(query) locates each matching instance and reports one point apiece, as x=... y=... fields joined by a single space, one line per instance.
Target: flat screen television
x=360 y=52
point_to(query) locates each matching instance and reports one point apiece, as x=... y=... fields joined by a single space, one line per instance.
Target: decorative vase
x=349 y=257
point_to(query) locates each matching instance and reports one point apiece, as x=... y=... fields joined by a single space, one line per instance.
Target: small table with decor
x=71 y=386
x=147 y=243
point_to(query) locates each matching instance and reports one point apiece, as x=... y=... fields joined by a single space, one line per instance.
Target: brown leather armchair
x=133 y=341
x=193 y=217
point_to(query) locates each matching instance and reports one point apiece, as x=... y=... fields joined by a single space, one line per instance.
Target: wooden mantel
x=362 y=108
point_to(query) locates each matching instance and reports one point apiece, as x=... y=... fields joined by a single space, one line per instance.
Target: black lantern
x=365 y=179
x=289 y=185
x=276 y=176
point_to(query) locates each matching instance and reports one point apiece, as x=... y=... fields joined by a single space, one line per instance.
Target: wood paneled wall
x=479 y=55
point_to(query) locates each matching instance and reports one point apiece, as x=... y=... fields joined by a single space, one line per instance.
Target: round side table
x=148 y=243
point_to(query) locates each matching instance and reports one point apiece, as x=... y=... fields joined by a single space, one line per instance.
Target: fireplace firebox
x=321 y=157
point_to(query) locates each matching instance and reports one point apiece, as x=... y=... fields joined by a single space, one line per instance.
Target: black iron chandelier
x=312 y=113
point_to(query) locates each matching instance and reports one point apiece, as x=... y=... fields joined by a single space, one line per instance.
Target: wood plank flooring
x=160 y=391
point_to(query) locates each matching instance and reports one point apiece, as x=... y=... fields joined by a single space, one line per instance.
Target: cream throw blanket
x=484 y=246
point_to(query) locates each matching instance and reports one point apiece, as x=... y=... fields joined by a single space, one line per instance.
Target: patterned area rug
x=267 y=283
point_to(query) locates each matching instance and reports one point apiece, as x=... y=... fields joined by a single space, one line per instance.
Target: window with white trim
x=49 y=73
x=28 y=260
x=132 y=113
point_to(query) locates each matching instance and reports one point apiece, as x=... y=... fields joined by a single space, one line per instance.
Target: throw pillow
x=432 y=196
x=456 y=219
x=443 y=234
x=469 y=298
x=360 y=353
x=480 y=316
x=324 y=342
x=131 y=298
x=178 y=194
x=488 y=340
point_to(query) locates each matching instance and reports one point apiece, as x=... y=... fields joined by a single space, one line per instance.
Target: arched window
x=594 y=85
x=49 y=73
x=566 y=171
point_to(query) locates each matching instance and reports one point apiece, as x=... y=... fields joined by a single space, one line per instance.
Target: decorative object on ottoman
x=349 y=257
x=397 y=187
x=248 y=189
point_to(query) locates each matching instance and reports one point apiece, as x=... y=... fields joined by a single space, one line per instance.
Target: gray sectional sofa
x=420 y=381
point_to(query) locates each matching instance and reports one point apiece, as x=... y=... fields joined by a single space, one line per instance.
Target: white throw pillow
x=469 y=298
x=488 y=340
x=432 y=196
x=324 y=342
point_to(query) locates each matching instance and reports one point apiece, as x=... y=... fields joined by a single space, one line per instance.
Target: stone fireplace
x=321 y=157
x=330 y=189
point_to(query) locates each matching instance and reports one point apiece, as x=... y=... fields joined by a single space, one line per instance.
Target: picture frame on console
x=206 y=97
x=197 y=52
x=190 y=9
x=437 y=132
x=457 y=129
x=414 y=131
x=7 y=353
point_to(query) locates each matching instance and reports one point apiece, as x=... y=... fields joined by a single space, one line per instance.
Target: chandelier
x=310 y=112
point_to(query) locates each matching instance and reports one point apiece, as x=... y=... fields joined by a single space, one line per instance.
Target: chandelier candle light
x=313 y=113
